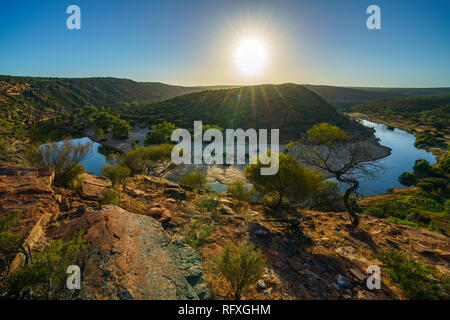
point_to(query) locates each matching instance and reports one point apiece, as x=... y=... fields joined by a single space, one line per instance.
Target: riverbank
x=223 y=174
x=413 y=128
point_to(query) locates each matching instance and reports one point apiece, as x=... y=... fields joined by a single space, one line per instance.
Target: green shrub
x=160 y=133
x=444 y=163
x=196 y=180
x=207 y=203
x=241 y=266
x=9 y=239
x=433 y=184
x=403 y=222
x=149 y=160
x=375 y=211
x=293 y=181
x=63 y=158
x=46 y=276
x=4 y=150
x=414 y=278
x=117 y=174
x=241 y=192
x=120 y=129
x=407 y=179
x=197 y=234
x=109 y=196
x=419 y=216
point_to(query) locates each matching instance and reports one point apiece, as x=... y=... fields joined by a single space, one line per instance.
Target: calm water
x=402 y=158
x=94 y=160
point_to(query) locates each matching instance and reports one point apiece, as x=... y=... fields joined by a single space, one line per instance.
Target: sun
x=251 y=56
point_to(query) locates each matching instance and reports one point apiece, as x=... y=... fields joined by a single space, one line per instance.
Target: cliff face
x=139 y=250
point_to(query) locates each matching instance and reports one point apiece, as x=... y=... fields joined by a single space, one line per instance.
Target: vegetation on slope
x=345 y=97
x=290 y=107
x=431 y=110
x=24 y=100
x=427 y=206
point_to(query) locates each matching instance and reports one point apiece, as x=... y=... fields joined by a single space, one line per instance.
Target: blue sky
x=192 y=42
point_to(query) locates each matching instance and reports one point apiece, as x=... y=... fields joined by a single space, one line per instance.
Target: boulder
x=130 y=256
x=175 y=193
x=159 y=182
x=224 y=209
x=92 y=186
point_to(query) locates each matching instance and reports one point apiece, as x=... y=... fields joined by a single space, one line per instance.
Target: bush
x=433 y=184
x=241 y=266
x=4 y=150
x=407 y=179
x=63 y=158
x=117 y=174
x=196 y=180
x=375 y=211
x=422 y=168
x=207 y=203
x=414 y=278
x=444 y=163
x=146 y=160
x=197 y=234
x=109 y=196
x=239 y=191
x=120 y=129
x=160 y=133
x=292 y=181
x=9 y=239
x=46 y=275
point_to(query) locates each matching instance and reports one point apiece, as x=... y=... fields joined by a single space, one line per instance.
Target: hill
x=291 y=108
x=344 y=97
x=31 y=99
x=432 y=110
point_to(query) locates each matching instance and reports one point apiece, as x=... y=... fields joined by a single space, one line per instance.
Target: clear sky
x=194 y=42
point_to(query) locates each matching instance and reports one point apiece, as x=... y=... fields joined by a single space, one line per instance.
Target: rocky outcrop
x=92 y=186
x=29 y=193
x=130 y=256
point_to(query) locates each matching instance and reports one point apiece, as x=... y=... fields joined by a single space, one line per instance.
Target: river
x=402 y=158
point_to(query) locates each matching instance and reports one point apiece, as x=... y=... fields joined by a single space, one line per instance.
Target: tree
x=407 y=179
x=444 y=163
x=154 y=160
x=292 y=181
x=196 y=180
x=63 y=158
x=329 y=148
x=241 y=266
x=239 y=191
x=160 y=133
x=120 y=129
x=422 y=168
x=117 y=174
x=99 y=133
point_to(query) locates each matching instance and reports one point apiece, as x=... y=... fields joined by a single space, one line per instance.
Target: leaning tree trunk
x=354 y=185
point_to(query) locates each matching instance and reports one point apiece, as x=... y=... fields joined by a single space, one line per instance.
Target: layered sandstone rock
x=29 y=193
x=130 y=256
x=92 y=186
